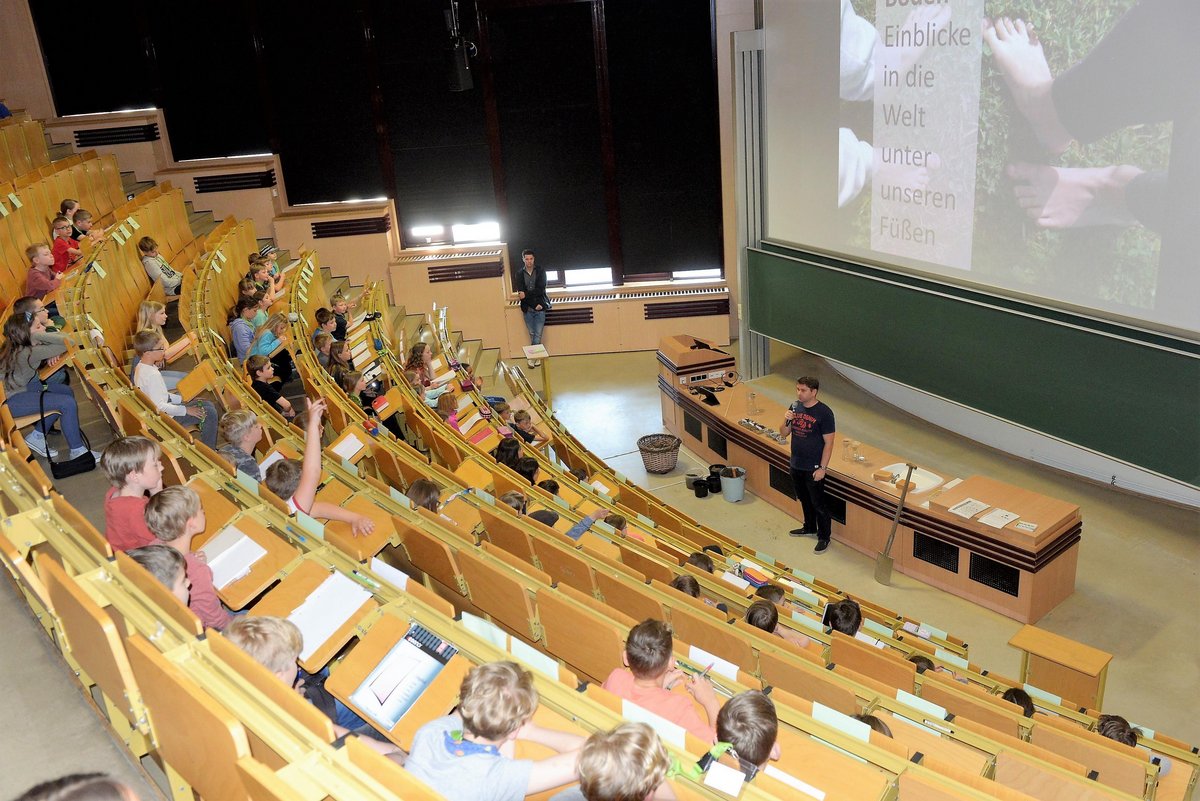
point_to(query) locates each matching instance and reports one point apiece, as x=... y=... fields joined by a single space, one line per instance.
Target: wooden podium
x=685 y=360
x=1064 y=667
x=1022 y=568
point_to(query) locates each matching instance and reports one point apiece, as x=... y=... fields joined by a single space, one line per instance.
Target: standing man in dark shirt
x=531 y=289
x=811 y=425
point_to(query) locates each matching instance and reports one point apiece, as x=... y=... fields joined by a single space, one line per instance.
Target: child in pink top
x=134 y=467
x=650 y=676
x=175 y=516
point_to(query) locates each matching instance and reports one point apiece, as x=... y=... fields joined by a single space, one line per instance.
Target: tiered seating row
x=22 y=147
x=274 y=752
x=531 y=549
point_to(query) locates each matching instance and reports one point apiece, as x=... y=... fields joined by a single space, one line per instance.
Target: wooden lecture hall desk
x=1019 y=573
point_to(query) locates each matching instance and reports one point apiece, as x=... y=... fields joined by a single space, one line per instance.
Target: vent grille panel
x=234 y=182
x=935 y=552
x=687 y=308
x=991 y=573
x=124 y=135
x=356 y=227
x=582 y=316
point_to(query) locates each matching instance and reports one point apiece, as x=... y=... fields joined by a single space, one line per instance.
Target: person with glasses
x=66 y=249
x=151 y=348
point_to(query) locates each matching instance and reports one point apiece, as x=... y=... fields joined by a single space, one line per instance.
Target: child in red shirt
x=134 y=467
x=650 y=675
x=41 y=279
x=66 y=250
x=175 y=516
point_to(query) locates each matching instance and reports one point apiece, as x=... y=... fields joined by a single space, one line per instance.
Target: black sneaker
x=822 y=546
x=801 y=532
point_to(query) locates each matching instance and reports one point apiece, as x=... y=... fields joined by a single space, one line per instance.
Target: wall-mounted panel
x=1118 y=391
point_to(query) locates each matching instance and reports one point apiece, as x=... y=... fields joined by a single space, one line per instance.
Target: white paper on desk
x=719 y=666
x=599 y=485
x=735 y=579
x=394 y=671
x=928 y=707
x=372 y=372
x=272 y=458
x=952 y=483
x=359 y=351
x=469 y=423
x=672 y=733
x=397 y=578
x=326 y=610
x=724 y=779
x=230 y=555
x=463 y=402
x=485 y=630
x=968 y=508
x=359 y=320
x=868 y=639
x=756 y=566
x=348 y=447
x=290 y=267
x=793 y=782
x=442 y=378
x=998 y=518
x=843 y=723
x=533 y=658
x=1025 y=525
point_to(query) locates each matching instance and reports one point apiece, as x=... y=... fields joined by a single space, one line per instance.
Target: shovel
x=883 y=561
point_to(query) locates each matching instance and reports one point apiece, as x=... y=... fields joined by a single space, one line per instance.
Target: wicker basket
x=660 y=452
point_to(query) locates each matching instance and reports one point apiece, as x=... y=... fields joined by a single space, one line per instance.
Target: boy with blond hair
x=41 y=280
x=628 y=763
x=523 y=427
x=649 y=674
x=467 y=755
x=276 y=643
x=273 y=642
x=175 y=516
x=134 y=467
x=151 y=348
x=340 y=305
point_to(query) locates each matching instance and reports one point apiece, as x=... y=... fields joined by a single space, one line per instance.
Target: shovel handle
x=887 y=549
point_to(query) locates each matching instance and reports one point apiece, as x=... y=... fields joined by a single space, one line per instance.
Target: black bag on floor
x=83 y=463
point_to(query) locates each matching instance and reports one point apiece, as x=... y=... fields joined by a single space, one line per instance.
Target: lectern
x=1064 y=667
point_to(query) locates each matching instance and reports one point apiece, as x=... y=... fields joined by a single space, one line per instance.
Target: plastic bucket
x=733 y=483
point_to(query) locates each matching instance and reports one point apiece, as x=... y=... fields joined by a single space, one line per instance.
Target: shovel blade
x=883 y=569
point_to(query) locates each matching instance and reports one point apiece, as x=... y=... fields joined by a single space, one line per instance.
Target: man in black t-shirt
x=811 y=425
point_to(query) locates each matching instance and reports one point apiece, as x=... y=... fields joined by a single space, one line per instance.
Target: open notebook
x=398 y=680
x=230 y=555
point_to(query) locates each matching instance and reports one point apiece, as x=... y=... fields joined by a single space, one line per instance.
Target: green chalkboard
x=1136 y=398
